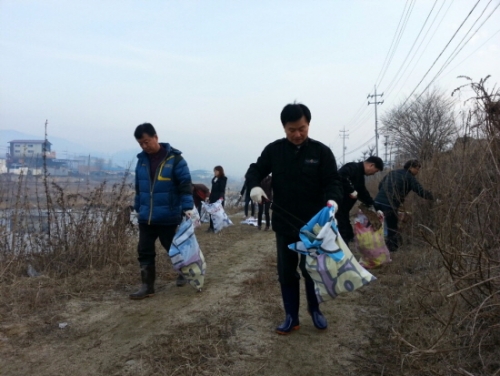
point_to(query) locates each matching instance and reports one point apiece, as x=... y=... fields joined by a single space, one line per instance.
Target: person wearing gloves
x=163 y=194
x=353 y=182
x=393 y=189
x=304 y=179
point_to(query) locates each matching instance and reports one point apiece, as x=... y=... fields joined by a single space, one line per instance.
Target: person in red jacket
x=200 y=194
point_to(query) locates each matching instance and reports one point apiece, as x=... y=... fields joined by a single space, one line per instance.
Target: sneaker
x=259 y=228
x=267 y=228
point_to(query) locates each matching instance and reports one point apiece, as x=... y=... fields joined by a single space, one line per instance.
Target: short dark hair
x=412 y=163
x=144 y=128
x=221 y=171
x=377 y=161
x=293 y=112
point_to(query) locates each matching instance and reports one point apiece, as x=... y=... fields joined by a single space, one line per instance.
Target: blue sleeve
x=184 y=187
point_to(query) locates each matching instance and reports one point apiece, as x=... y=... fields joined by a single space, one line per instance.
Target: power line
x=473 y=52
x=427 y=45
x=392 y=43
x=361 y=146
x=454 y=54
x=441 y=53
x=413 y=45
x=410 y=10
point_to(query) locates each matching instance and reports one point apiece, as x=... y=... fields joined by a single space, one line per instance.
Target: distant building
x=26 y=157
x=22 y=149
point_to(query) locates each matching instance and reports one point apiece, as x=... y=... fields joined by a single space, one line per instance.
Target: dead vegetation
x=442 y=292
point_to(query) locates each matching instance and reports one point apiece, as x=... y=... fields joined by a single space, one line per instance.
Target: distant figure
x=200 y=194
x=353 y=181
x=218 y=190
x=393 y=189
x=305 y=180
x=245 y=191
x=162 y=196
x=266 y=185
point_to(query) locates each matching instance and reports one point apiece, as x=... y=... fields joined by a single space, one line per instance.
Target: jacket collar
x=165 y=145
x=297 y=147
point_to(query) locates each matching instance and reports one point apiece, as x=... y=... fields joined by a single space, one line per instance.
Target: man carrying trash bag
x=305 y=177
x=163 y=194
x=352 y=176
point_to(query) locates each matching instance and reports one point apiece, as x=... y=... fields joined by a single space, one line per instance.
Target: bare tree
x=422 y=128
x=367 y=153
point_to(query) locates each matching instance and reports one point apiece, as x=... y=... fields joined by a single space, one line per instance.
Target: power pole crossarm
x=375 y=95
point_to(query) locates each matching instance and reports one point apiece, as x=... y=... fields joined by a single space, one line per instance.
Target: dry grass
x=441 y=297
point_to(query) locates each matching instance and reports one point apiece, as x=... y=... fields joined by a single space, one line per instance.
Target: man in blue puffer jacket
x=163 y=193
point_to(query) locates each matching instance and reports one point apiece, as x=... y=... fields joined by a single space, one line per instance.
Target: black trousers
x=344 y=225
x=147 y=238
x=248 y=201
x=391 y=220
x=264 y=207
x=288 y=261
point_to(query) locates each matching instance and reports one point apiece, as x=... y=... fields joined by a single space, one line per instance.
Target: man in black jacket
x=353 y=181
x=305 y=177
x=393 y=189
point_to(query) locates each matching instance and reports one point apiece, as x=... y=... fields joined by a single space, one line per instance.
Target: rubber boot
x=180 y=281
x=147 y=289
x=318 y=319
x=291 y=302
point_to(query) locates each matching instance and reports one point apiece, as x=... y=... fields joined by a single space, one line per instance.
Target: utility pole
x=344 y=136
x=375 y=95
x=385 y=144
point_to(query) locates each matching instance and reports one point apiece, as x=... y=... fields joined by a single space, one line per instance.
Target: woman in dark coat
x=218 y=190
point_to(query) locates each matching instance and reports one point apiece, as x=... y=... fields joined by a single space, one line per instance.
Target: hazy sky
x=213 y=76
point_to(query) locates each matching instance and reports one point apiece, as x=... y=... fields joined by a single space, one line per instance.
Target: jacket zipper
x=151 y=190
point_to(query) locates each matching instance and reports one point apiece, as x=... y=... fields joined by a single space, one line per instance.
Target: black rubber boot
x=291 y=302
x=181 y=281
x=147 y=289
x=318 y=319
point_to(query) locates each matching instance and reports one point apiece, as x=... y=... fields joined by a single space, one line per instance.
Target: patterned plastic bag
x=370 y=242
x=186 y=255
x=329 y=261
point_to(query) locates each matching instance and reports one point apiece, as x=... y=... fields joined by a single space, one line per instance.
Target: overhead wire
x=392 y=43
x=441 y=53
x=459 y=47
x=388 y=88
x=427 y=45
x=473 y=52
x=403 y=28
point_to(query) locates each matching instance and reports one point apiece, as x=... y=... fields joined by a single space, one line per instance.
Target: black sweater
x=303 y=179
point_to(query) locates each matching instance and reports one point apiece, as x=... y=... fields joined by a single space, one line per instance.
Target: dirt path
x=225 y=330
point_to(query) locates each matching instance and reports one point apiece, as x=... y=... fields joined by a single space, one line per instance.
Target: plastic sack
x=219 y=216
x=329 y=262
x=186 y=255
x=195 y=218
x=252 y=221
x=370 y=242
x=204 y=216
